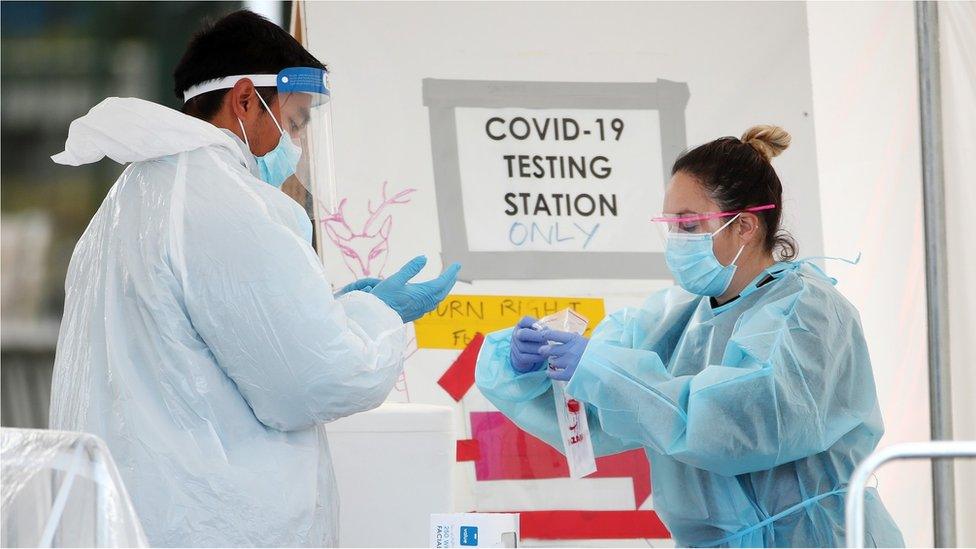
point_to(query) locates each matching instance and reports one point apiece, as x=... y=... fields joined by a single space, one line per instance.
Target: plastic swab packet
x=571 y=413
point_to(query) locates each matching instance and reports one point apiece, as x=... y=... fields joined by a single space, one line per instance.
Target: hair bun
x=769 y=141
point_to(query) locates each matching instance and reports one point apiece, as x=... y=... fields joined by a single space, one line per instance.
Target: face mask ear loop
x=736 y=258
x=720 y=229
x=244 y=132
x=269 y=111
x=729 y=222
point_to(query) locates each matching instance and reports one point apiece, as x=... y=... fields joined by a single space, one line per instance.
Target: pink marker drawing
x=366 y=250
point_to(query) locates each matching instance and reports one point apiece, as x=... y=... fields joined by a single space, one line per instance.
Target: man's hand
x=413 y=300
x=362 y=285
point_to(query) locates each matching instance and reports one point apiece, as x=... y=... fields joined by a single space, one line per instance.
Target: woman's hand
x=563 y=352
x=526 y=342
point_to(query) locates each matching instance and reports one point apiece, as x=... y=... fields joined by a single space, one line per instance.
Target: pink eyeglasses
x=688 y=222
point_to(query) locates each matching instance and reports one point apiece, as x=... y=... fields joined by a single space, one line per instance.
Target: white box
x=474 y=530
x=393 y=467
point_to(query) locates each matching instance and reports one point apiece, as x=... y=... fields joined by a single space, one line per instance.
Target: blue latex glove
x=362 y=285
x=412 y=301
x=526 y=341
x=563 y=353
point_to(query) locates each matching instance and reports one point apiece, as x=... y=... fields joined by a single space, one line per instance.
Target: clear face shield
x=305 y=107
x=302 y=161
x=691 y=224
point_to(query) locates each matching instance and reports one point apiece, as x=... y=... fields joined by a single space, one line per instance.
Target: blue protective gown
x=753 y=415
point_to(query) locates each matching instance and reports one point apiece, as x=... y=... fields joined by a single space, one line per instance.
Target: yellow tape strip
x=459 y=317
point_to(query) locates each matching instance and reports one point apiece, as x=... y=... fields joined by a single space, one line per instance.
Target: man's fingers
x=440 y=287
x=364 y=284
x=448 y=279
x=450 y=273
x=409 y=269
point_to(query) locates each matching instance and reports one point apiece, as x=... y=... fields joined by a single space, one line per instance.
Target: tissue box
x=474 y=530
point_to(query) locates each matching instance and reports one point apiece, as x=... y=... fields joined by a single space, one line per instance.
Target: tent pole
x=936 y=278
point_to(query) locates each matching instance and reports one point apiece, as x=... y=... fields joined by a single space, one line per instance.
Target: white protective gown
x=201 y=339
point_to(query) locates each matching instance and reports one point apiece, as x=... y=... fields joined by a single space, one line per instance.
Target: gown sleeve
x=794 y=378
x=260 y=300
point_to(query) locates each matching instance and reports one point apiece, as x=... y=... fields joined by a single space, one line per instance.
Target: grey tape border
x=441 y=97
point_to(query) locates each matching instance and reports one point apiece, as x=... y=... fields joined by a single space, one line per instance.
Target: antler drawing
x=365 y=251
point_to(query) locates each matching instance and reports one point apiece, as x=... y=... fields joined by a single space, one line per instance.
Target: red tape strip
x=468 y=450
x=459 y=377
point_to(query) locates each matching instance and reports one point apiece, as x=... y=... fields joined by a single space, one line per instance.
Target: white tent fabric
x=62 y=489
x=957 y=50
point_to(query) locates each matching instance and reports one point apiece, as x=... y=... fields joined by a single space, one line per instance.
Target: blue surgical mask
x=281 y=162
x=692 y=261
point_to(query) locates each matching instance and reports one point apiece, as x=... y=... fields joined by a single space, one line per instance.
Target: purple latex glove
x=563 y=353
x=526 y=341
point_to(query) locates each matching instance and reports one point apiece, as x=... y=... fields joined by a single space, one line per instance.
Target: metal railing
x=910 y=450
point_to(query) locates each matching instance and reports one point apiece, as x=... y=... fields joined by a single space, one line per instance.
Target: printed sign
x=553 y=179
x=559 y=180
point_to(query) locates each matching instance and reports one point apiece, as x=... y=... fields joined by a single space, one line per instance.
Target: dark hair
x=242 y=42
x=737 y=174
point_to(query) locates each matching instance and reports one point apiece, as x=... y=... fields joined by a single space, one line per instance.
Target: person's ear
x=748 y=227
x=243 y=99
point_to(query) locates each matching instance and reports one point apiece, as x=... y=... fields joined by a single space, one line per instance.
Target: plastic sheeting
x=62 y=489
x=201 y=340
